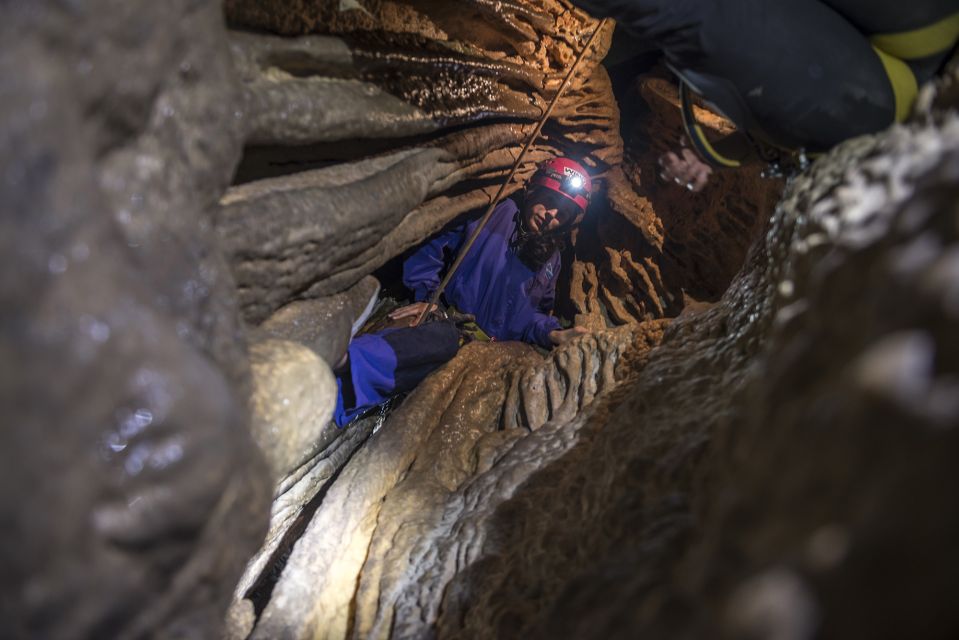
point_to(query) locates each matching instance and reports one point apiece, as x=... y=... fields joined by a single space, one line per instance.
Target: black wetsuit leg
x=807 y=77
x=893 y=16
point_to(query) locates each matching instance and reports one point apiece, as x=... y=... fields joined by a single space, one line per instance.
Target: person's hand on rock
x=562 y=336
x=411 y=311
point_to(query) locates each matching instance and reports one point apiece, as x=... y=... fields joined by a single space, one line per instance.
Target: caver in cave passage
x=796 y=77
x=503 y=290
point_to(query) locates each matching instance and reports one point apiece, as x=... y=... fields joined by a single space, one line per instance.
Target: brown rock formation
x=658 y=247
x=443 y=458
x=394 y=85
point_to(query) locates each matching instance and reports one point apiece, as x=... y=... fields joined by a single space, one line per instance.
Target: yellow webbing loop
x=696 y=135
x=903 y=81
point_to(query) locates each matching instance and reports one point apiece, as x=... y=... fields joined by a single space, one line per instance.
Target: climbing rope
x=529 y=143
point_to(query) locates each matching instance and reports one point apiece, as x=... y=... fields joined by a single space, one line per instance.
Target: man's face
x=546 y=210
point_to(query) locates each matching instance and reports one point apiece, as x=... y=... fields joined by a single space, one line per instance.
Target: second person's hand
x=410 y=311
x=685 y=168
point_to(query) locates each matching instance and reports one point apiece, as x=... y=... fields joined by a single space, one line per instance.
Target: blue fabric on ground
x=389 y=362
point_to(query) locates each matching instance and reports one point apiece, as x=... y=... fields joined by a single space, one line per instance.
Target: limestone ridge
x=443 y=458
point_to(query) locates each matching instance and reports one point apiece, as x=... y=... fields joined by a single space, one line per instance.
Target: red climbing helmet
x=567 y=177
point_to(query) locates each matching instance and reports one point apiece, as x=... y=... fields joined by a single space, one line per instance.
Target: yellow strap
x=718 y=157
x=903 y=81
x=477 y=333
x=920 y=43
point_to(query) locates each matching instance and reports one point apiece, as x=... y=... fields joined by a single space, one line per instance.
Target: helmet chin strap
x=522 y=232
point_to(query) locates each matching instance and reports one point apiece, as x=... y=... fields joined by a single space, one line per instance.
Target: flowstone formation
x=198 y=196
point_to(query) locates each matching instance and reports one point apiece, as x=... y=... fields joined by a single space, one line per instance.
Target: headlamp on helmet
x=566 y=177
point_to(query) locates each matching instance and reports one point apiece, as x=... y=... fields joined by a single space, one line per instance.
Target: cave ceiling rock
x=447 y=432
x=319 y=89
x=136 y=491
x=544 y=34
x=381 y=81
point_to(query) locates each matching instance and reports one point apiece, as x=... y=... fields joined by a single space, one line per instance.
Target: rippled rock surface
x=412 y=509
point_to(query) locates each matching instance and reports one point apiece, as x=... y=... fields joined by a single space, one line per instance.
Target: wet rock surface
x=800 y=461
x=294 y=393
x=132 y=492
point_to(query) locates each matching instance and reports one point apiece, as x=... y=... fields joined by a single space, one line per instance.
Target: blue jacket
x=510 y=300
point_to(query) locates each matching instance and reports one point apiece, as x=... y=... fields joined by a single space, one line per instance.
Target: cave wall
x=132 y=492
x=404 y=115
x=777 y=465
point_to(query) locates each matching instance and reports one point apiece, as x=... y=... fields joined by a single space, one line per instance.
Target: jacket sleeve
x=540 y=328
x=421 y=271
x=543 y=323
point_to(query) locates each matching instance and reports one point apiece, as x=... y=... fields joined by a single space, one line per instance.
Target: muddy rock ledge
x=188 y=242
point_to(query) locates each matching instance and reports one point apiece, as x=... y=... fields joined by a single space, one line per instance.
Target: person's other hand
x=685 y=169
x=410 y=311
x=562 y=336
